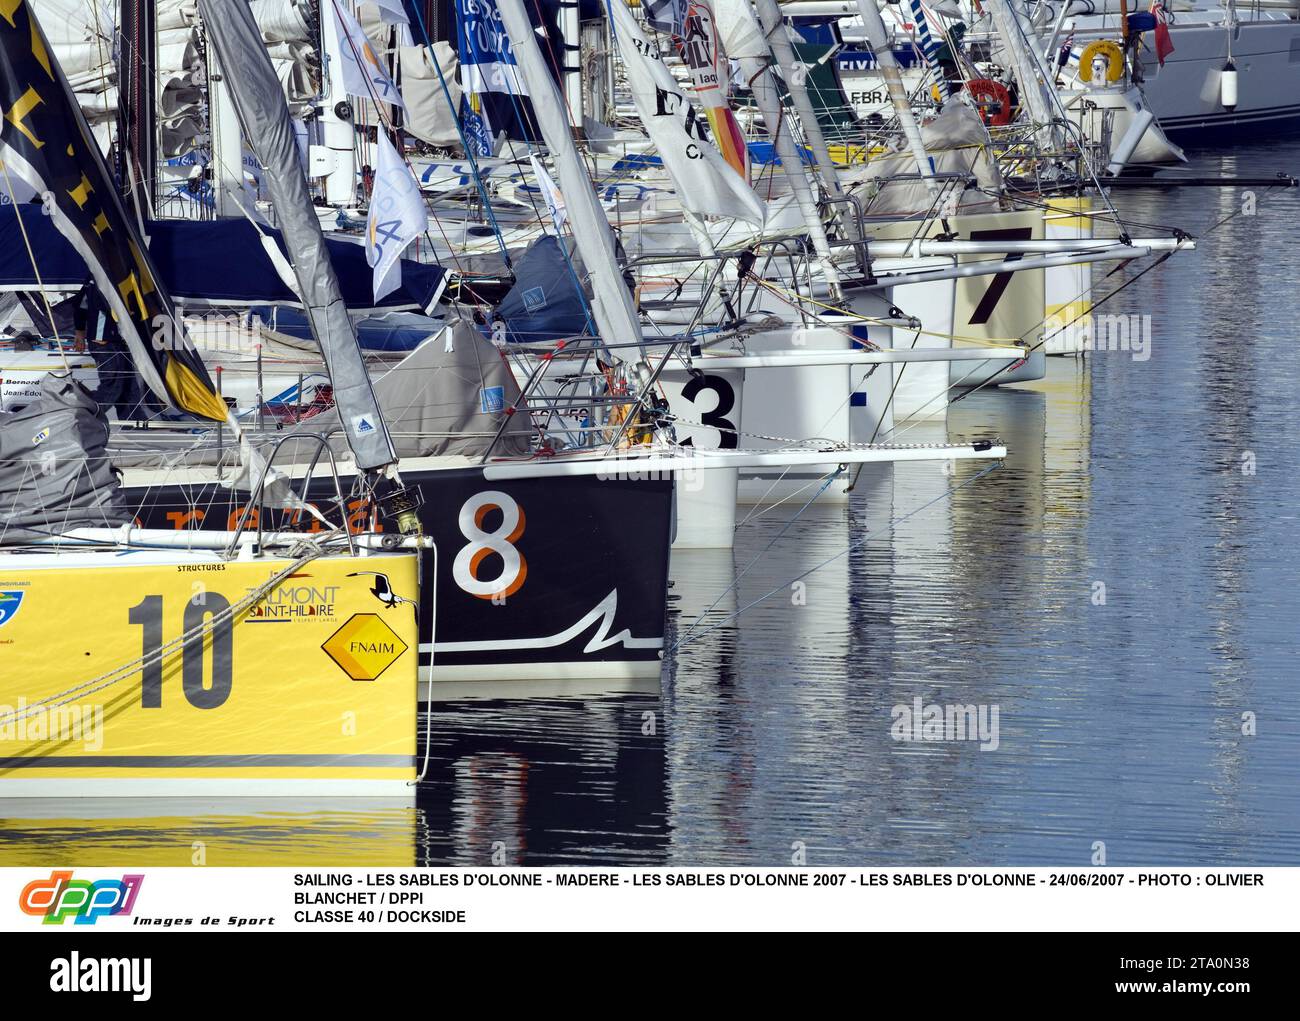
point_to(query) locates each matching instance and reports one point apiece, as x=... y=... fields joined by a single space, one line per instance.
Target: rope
x=35 y=268
x=200 y=631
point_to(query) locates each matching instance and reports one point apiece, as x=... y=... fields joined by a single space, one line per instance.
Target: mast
x=264 y=115
x=336 y=112
x=226 y=141
x=743 y=47
x=783 y=51
x=616 y=318
x=1011 y=32
x=137 y=103
x=878 y=43
x=569 y=56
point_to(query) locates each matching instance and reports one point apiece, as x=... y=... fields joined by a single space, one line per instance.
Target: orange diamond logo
x=364 y=647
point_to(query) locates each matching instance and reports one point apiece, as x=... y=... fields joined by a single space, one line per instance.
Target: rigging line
x=1209 y=231
x=758 y=509
x=1087 y=312
x=387 y=124
x=914 y=421
x=530 y=122
x=857 y=544
x=31 y=257
x=760 y=554
x=460 y=133
x=1027 y=198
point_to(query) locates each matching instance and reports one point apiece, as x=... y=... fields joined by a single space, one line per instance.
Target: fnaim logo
x=86 y=901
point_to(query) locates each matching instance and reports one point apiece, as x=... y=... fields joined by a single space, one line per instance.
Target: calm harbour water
x=1119 y=722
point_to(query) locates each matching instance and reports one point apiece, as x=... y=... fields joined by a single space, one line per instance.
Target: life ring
x=991 y=99
x=1114 y=56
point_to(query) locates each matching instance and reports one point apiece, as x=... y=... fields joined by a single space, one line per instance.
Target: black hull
x=587 y=598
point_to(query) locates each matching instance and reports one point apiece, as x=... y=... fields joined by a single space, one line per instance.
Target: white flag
x=391 y=12
x=705 y=182
x=550 y=194
x=397 y=217
x=364 y=74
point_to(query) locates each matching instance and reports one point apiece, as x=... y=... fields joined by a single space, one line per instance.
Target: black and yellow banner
x=45 y=141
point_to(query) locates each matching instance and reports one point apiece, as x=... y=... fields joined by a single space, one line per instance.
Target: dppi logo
x=61 y=896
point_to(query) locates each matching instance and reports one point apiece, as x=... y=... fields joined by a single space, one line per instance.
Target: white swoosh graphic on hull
x=603 y=612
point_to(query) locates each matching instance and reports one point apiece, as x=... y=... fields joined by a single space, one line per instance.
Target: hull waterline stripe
x=202 y=761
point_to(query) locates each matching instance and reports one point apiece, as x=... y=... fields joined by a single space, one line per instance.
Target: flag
x=705 y=182
x=489 y=73
x=474 y=122
x=364 y=74
x=709 y=69
x=391 y=12
x=666 y=16
x=550 y=194
x=1164 y=44
x=929 y=46
x=46 y=143
x=397 y=217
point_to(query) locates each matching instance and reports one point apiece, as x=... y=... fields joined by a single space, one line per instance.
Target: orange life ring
x=992 y=100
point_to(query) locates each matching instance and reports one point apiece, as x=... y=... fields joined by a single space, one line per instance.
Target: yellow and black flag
x=44 y=139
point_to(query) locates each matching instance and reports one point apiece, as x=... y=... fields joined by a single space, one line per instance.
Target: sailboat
x=144 y=662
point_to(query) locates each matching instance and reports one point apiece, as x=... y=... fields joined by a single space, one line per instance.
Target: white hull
x=1185 y=93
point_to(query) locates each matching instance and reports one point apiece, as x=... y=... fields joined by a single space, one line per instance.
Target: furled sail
x=264 y=117
x=705 y=182
x=46 y=142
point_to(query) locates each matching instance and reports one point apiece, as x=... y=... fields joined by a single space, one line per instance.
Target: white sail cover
x=705 y=183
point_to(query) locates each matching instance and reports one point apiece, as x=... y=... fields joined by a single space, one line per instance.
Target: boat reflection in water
x=536 y=778
x=213 y=832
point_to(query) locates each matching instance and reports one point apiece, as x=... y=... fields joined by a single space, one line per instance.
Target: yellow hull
x=302 y=687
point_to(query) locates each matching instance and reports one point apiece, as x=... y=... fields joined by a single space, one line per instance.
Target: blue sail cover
x=217 y=262
x=391 y=333
x=544 y=304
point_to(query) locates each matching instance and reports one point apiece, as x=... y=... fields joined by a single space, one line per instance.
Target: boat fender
x=1228 y=86
x=1107 y=50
